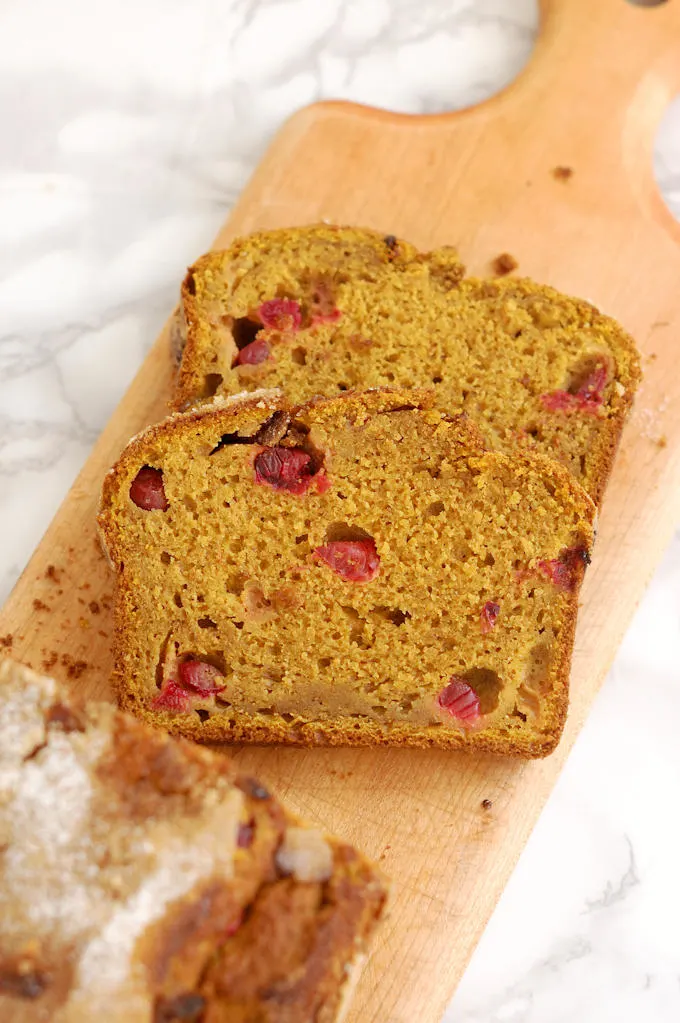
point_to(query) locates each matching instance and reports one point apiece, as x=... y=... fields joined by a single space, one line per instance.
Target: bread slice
x=143 y=878
x=357 y=570
x=318 y=310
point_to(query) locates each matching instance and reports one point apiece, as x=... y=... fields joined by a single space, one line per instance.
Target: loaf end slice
x=356 y=570
x=291 y=309
x=144 y=878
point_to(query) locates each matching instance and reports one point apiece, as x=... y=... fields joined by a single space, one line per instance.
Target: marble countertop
x=128 y=131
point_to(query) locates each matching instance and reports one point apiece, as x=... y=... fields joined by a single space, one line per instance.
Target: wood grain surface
x=484 y=180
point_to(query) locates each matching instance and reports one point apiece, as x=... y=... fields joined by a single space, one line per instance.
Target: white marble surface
x=127 y=131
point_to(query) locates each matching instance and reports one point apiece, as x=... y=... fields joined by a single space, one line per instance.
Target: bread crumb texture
x=144 y=879
x=323 y=309
x=357 y=570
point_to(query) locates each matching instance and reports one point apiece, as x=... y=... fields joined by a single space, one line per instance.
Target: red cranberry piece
x=246 y=834
x=566 y=571
x=322 y=482
x=280 y=314
x=489 y=614
x=284 y=469
x=356 y=561
x=172 y=697
x=201 y=677
x=253 y=354
x=147 y=491
x=460 y=700
x=588 y=397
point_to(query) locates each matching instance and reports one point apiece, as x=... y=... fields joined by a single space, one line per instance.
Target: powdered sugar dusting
x=81 y=879
x=181 y=858
x=23 y=728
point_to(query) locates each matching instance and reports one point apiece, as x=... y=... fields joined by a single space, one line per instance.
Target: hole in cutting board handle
x=647 y=3
x=667 y=157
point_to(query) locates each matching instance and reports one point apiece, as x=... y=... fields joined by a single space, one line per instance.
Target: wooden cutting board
x=485 y=180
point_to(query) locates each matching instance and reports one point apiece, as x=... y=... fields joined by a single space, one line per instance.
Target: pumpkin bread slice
x=357 y=570
x=317 y=310
x=144 y=878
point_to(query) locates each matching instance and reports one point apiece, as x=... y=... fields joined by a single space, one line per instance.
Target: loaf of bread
x=357 y=570
x=144 y=880
x=317 y=310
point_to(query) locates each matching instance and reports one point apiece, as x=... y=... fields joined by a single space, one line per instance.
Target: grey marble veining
x=128 y=132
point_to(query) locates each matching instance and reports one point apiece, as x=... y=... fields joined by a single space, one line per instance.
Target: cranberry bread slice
x=357 y=570
x=143 y=878
x=289 y=309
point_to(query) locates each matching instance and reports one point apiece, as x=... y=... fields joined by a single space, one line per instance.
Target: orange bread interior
x=320 y=310
x=357 y=570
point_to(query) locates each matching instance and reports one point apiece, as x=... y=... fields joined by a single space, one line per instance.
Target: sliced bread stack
x=388 y=565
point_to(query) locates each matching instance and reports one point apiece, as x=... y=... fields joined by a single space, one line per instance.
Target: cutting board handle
x=605 y=49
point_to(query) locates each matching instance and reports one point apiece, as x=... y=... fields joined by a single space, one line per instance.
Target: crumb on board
x=40 y=605
x=562 y=173
x=651 y=357
x=84 y=623
x=74 y=669
x=504 y=264
x=53 y=574
x=7 y=641
x=94 y=607
x=662 y=442
x=486 y=804
x=50 y=661
x=104 y=635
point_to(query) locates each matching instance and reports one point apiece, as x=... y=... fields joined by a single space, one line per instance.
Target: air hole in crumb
x=437 y=380
x=244 y=331
x=302 y=538
x=206 y=623
x=238 y=625
x=299 y=356
x=204 y=715
x=436 y=508
x=517 y=713
x=537 y=668
x=581 y=373
x=211 y=384
x=489 y=559
x=487 y=686
x=189 y=503
x=392 y=614
x=324 y=662
x=267 y=712
x=178 y=600
x=343 y=387
x=343 y=531
x=166 y=558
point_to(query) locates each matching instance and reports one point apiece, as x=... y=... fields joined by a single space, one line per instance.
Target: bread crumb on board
x=562 y=173
x=504 y=264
